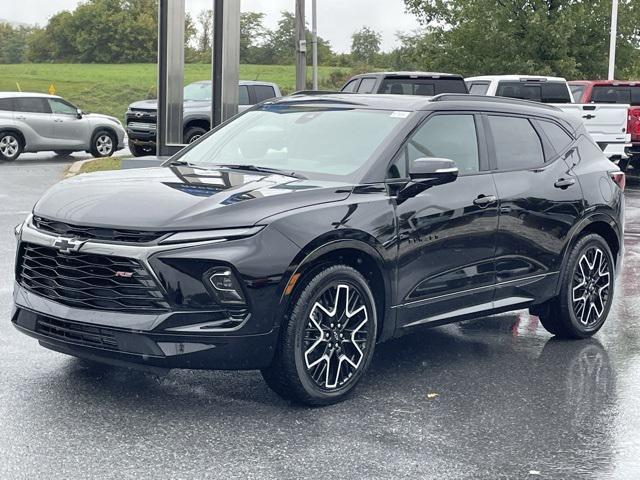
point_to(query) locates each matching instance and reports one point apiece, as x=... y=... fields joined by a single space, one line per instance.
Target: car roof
x=243 y=82
x=516 y=78
x=26 y=94
x=408 y=74
x=624 y=83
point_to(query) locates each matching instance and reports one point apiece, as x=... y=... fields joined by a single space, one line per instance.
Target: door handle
x=484 y=200
x=588 y=116
x=20 y=117
x=564 y=183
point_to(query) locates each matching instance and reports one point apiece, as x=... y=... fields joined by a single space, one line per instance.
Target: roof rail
x=447 y=97
x=315 y=92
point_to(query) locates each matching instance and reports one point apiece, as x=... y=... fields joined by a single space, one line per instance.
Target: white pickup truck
x=606 y=123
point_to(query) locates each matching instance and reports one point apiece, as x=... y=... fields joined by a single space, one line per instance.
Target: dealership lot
x=489 y=398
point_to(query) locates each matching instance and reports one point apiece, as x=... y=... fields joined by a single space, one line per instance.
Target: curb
x=75 y=167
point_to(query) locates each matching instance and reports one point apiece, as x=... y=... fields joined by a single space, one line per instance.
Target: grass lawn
x=109 y=89
x=101 y=164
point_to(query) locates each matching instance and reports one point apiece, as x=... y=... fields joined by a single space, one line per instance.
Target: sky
x=337 y=19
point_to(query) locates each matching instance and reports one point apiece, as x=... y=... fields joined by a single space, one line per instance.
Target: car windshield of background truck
x=317 y=142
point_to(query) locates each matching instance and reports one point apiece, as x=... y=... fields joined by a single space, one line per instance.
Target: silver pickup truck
x=140 y=118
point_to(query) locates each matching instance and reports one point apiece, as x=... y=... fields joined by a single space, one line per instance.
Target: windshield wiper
x=254 y=168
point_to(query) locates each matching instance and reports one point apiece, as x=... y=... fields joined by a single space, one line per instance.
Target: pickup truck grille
x=82 y=280
x=94 y=233
x=141 y=116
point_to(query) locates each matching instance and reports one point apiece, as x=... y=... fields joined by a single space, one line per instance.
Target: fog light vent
x=226 y=287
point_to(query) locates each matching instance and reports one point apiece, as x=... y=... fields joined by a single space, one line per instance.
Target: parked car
x=141 y=116
x=614 y=91
x=406 y=83
x=607 y=124
x=34 y=122
x=299 y=235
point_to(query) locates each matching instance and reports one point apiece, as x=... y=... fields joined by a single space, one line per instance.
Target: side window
x=478 y=88
x=557 y=136
x=635 y=95
x=351 y=86
x=31 y=105
x=264 y=92
x=62 y=107
x=367 y=85
x=243 y=95
x=577 y=91
x=6 y=104
x=517 y=144
x=440 y=137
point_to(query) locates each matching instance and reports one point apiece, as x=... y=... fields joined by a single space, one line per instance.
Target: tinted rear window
x=264 y=92
x=556 y=135
x=31 y=105
x=616 y=94
x=545 y=92
x=6 y=104
x=422 y=86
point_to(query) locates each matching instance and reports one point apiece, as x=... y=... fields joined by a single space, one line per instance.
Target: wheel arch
x=356 y=253
x=103 y=128
x=197 y=122
x=602 y=224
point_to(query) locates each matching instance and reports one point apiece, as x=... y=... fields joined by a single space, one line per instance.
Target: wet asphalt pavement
x=490 y=398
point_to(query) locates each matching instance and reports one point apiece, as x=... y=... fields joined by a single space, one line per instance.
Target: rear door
x=540 y=200
x=70 y=131
x=33 y=115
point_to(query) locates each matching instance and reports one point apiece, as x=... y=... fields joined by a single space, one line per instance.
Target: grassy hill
x=109 y=89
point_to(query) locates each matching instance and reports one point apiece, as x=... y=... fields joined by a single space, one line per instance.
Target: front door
x=446 y=234
x=71 y=131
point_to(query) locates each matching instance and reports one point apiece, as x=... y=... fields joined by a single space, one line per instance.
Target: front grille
x=94 y=233
x=142 y=116
x=76 y=332
x=147 y=127
x=90 y=281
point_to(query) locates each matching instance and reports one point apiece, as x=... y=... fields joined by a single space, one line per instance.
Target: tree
x=561 y=37
x=365 y=45
x=14 y=43
x=252 y=35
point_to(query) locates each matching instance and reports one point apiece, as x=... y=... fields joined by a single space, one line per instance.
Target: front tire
x=586 y=294
x=328 y=339
x=103 y=144
x=192 y=134
x=140 y=151
x=10 y=146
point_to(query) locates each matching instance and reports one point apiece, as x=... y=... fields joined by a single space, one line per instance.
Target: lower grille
x=96 y=282
x=76 y=332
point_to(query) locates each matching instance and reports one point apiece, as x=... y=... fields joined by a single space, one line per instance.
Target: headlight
x=18 y=230
x=213 y=235
x=225 y=286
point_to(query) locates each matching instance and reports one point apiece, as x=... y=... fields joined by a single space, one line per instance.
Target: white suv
x=34 y=122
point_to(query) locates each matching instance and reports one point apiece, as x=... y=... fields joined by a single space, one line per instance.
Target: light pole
x=314 y=42
x=612 y=40
x=301 y=47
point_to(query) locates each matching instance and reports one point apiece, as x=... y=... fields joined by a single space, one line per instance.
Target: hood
x=153 y=104
x=99 y=116
x=180 y=198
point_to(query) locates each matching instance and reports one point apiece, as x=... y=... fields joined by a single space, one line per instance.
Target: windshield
x=199 y=91
x=316 y=141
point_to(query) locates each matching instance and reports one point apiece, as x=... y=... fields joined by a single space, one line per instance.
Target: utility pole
x=314 y=42
x=612 y=41
x=301 y=47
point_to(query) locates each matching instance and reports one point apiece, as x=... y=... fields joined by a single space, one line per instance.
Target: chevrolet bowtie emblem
x=67 y=245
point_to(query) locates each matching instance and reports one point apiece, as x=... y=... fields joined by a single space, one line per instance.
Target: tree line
x=545 y=37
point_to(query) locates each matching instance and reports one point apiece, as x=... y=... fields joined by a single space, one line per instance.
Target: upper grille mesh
x=89 y=281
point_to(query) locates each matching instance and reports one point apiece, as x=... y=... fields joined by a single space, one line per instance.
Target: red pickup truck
x=614 y=91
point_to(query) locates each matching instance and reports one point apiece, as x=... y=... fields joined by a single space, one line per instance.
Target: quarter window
x=478 y=88
x=243 y=95
x=351 y=86
x=443 y=136
x=517 y=144
x=557 y=136
x=31 y=105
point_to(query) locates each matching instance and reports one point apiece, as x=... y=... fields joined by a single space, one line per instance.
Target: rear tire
x=586 y=293
x=11 y=146
x=192 y=134
x=103 y=144
x=327 y=339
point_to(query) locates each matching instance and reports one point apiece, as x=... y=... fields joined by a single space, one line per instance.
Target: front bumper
x=140 y=349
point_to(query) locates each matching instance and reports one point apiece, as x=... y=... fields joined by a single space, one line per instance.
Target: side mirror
x=428 y=172
x=79 y=113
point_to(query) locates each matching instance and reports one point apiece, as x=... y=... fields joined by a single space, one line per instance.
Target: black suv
x=296 y=237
